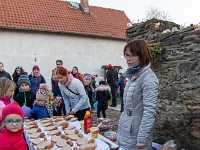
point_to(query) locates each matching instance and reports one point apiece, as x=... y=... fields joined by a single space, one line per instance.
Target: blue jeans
x=122 y=104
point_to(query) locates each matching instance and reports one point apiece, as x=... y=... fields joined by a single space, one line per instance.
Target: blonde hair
x=5 y=84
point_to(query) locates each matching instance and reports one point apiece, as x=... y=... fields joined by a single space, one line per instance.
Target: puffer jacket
x=140 y=97
x=72 y=101
x=12 y=140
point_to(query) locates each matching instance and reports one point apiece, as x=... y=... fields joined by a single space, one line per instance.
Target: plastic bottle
x=87 y=122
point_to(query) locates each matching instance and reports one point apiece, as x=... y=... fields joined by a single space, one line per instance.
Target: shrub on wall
x=156 y=50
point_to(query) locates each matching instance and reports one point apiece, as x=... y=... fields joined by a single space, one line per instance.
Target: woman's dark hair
x=76 y=75
x=60 y=61
x=140 y=48
x=15 y=75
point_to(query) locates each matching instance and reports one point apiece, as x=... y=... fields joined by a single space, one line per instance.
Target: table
x=100 y=144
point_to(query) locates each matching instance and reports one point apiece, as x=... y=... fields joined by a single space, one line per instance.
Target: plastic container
x=105 y=124
x=87 y=122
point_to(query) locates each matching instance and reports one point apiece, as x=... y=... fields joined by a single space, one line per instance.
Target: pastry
x=81 y=141
x=35 y=135
x=55 y=138
x=73 y=119
x=73 y=137
x=36 y=141
x=69 y=132
x=69 y=117
x=49 y=128
x=61 y=143
x=66 y=148
x=88 y=146
x=43 y=144
x=53 y=132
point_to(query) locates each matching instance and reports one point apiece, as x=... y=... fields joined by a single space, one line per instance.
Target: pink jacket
x=12 y=140
x=3 y=102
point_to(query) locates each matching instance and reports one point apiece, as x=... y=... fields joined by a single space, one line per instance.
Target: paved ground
x=113 y=114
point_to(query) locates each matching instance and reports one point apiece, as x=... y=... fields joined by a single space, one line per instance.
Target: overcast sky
x=181 y=11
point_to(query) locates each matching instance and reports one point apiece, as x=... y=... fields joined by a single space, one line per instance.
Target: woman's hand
x=140 y=145
x=71 y=113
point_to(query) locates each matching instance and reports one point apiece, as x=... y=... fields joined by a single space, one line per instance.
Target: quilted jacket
x=140 y=96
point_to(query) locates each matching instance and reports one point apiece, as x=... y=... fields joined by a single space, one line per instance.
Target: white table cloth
x=100 y=144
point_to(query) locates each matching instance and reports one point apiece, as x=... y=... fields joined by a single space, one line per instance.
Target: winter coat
x=5 y=74
x=29 y=96
x=112 y=77
x=3 y=102
x=121 y=84
x=140 y=98
x=78 y=76
x=72 y=101
x=102 y=97
x=35 y=82
x=39 y=112
x=12 y=140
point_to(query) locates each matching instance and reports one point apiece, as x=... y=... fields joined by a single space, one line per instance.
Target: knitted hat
x=42 y=92
x=12 y=108
x=27 y=111
x=110 y=65
x=24 y=79
x=36 y=67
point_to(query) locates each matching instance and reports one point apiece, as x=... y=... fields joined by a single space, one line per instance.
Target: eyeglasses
x=11 y=122
x=18 y=67
x=128 y=56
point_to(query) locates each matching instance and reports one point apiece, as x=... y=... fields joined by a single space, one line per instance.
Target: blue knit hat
x=23 y=79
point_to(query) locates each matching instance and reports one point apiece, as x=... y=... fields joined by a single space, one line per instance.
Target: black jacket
x=112 y=77
x=5 y=74
x=102 y=97
x=30 y=98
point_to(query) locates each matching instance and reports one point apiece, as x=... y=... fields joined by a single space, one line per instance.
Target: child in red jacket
x=11 y=134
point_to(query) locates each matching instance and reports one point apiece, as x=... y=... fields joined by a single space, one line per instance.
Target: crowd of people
x=75 y=93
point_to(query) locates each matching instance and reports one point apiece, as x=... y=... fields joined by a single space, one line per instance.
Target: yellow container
x=82 y=124
x=94 y=131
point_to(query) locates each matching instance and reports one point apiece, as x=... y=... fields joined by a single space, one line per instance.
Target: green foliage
x=156 y=50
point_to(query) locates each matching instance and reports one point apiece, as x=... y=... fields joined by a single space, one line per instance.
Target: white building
x=35 y=32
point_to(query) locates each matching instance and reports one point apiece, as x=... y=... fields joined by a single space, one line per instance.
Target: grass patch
x=110 y=101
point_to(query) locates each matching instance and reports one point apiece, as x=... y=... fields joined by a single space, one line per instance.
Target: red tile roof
x=57 y=16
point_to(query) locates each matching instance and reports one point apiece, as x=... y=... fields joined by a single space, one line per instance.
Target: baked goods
x=73 y=137
x=55 y=117
x=49 y=128
x=69 y=132
x=66 y=148
x=36 y=141
x=35 y=135
x=73 y=119
x=34 y=130
x=70 y=128
x=59 y=123
x=91 y=141
x=47 y=124
x=43 y=144
x=92 y=146
x=54 y=132
x=70 y=143
x=61 y=143
x=55 y=138
x=81 y=141
x=69 y=117
x=64 y=125
x=45 y=121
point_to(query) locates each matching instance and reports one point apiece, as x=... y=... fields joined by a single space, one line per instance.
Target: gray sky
x=181 y=11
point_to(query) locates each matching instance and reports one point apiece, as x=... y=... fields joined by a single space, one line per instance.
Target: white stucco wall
x=19 y=48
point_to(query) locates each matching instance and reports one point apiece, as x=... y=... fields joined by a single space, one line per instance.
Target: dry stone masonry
x=178 y=70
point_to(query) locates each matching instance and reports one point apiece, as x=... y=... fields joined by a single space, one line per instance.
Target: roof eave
x=72 y=33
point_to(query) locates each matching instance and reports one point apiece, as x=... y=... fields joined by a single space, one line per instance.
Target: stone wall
x=178 y=70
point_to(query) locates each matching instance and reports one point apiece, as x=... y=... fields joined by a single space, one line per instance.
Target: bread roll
x=61 y=143
x=55 y=138
x=90 y=146
x=81 y=141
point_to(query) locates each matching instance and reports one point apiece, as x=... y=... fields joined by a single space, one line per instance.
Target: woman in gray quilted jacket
x=72 y=90
x=135 y=127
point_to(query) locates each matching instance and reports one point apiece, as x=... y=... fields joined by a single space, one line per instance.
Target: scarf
x=133 y=69
x=70 y=77
x=49 y=108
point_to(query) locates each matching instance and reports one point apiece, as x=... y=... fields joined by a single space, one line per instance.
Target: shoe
x=112 y=105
